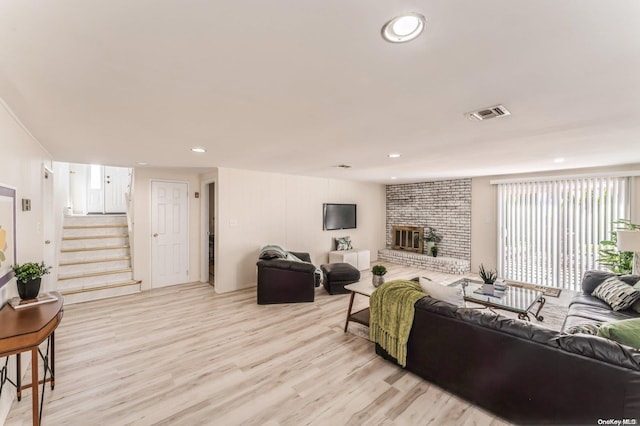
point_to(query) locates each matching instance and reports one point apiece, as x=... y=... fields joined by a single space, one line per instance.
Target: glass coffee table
x=519 y=300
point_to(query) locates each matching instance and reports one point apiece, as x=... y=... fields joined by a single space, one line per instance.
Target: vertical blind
x=549 y=231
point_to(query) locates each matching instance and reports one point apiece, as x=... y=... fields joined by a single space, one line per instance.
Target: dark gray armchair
x=286 y=281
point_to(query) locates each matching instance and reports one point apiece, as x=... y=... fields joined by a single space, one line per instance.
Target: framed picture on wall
x=7 y=232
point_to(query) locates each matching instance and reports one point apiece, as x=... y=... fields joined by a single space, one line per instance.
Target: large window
x=549 y=230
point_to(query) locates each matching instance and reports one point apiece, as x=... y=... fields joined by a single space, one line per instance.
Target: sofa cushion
x=584 y=299
x=626 y=332
x=616 y=293
x=600 y=314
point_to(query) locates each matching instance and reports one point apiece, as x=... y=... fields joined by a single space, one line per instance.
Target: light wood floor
x=185 y=355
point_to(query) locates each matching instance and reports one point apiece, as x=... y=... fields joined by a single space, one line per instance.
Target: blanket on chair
x=391 y=316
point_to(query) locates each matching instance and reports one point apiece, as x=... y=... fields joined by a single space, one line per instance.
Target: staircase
x=95 y=259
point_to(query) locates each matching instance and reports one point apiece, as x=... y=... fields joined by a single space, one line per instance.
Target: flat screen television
x=338 y=216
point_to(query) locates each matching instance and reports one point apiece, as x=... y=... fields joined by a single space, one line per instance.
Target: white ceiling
x=298 y=87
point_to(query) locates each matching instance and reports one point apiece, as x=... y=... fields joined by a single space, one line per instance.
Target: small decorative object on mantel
x=378 y=272
x=28 y=278
x=431 y=237
x=488 y=278
x=434 y=251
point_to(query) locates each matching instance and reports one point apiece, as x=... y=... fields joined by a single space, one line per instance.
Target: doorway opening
x=212 y=232
x=96 y=189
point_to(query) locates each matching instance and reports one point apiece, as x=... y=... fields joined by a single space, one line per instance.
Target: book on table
x=17 y=303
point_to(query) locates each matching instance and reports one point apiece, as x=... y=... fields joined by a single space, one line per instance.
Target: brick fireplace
x=407 y=238
x=443 y=205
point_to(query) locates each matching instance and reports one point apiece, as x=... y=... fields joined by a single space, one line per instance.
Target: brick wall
x=444 y=205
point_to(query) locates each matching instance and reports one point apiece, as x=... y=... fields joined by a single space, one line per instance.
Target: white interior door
x=169 y=233
x=95 y=189
x=116 y=185
x=48 y=231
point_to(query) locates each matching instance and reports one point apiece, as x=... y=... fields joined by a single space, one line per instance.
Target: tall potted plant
x=618 y=262
x=430 y=237
x=29 y=277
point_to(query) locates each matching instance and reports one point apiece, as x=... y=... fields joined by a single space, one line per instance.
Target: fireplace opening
x=408 y=238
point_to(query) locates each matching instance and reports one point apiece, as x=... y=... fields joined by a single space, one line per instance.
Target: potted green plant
x=430 y=237
x=378 y=272
x=618 y=262
x=28 y=278
x=488 y=278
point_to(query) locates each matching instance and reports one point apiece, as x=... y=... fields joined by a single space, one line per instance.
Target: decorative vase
x=487 y=288
x=30 y=289
x=377 y=280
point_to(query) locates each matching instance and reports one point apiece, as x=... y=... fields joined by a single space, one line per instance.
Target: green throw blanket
x=391 y=315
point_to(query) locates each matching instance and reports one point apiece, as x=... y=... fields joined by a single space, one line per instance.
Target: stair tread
x=93 y=274
x=94 y=237
x=88 y=261
x=126 y=246
x=99 y=287
x=93 y=226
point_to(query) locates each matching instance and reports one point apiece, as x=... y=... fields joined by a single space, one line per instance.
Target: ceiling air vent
x=487 y=113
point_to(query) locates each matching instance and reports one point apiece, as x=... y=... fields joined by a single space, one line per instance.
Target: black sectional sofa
x=522 y=372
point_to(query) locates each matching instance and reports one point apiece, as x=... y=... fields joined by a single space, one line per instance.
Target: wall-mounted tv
x=338 y=216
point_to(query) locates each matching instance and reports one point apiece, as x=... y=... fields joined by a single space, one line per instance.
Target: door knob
x=155 y=235
x=47 y=242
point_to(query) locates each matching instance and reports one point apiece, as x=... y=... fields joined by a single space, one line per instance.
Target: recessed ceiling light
x=198 y=149
x=403 y=28
x=393 y=155
x=142 y=163
x=393 y=178
x=558 y=160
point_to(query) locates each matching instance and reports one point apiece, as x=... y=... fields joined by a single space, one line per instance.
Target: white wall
x=484 y=216
x=256 y=208
x=22 y=163
x=142 y=220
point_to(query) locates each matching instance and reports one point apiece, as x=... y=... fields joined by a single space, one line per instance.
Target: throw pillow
x=584 y=329
x=447 y=294
x=626 y=332
x=636 y=304
x=617 y=294
x=343 y=243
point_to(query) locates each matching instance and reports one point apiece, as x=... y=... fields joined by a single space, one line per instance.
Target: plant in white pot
x=378 y=272
x=28 y=278
x=488 y=278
